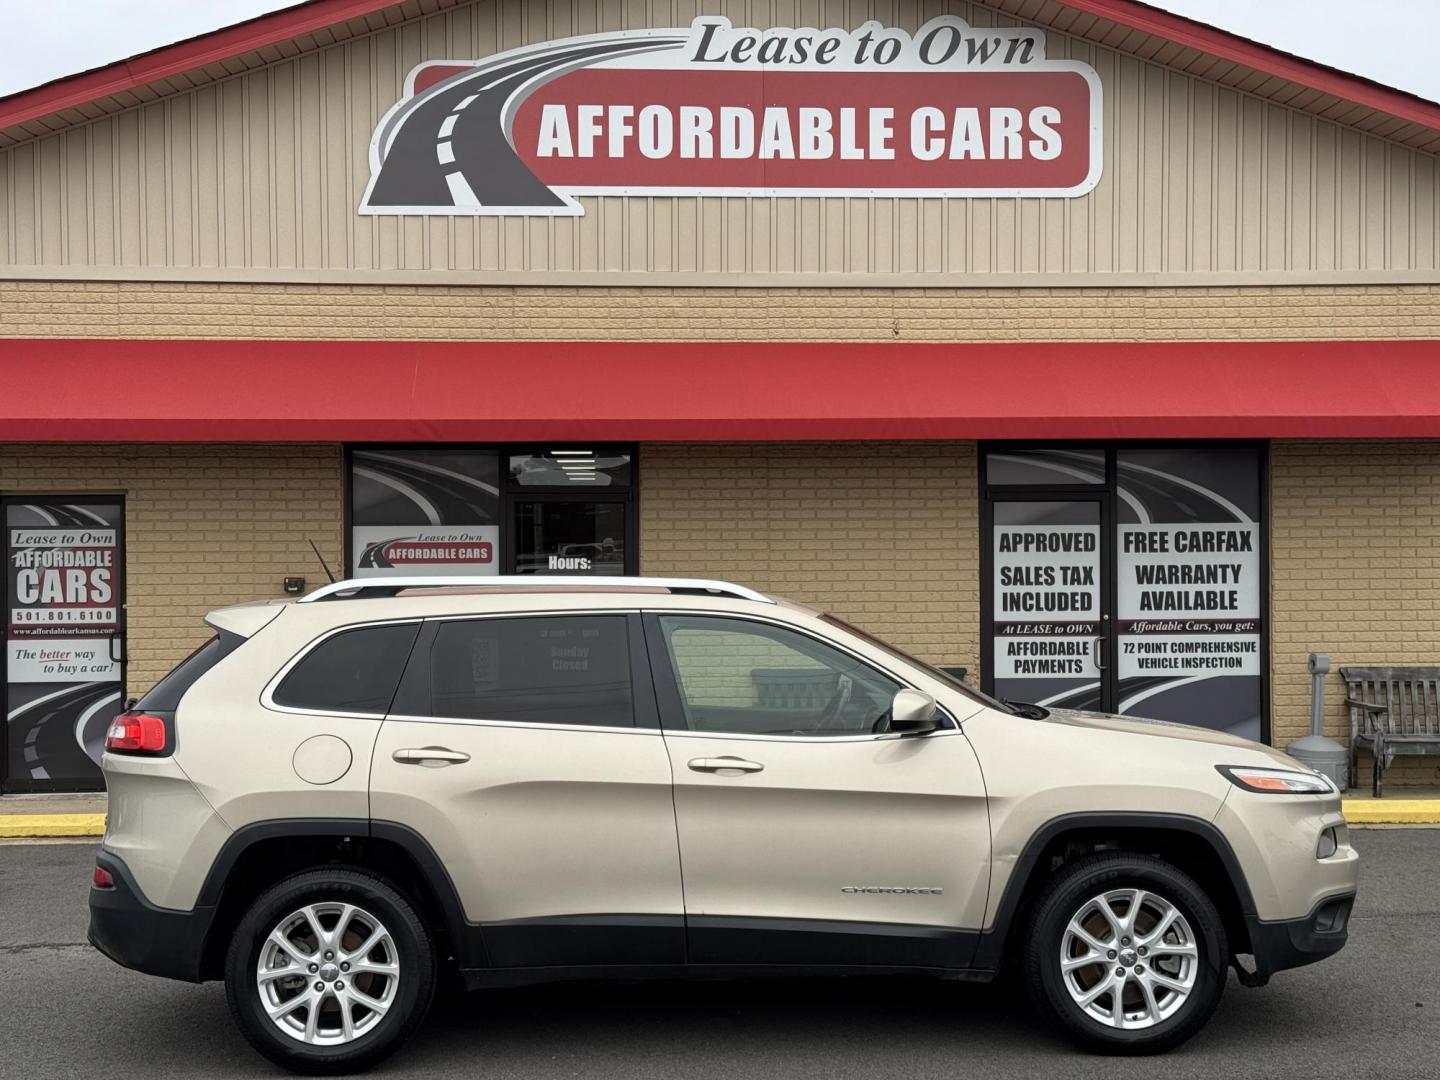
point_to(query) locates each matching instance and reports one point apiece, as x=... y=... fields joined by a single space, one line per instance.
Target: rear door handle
x=724 y=764
x=432 y=757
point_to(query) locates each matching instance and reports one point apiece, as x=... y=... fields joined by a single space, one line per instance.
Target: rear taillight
x=135 y=733
x=102 y=878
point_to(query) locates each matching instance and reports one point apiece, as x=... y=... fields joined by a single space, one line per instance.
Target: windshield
x=929 y=669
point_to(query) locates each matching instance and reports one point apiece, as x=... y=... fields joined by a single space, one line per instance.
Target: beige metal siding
x=262 y=173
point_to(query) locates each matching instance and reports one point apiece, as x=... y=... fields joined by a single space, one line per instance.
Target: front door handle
x=432 y=757
x=725 y=764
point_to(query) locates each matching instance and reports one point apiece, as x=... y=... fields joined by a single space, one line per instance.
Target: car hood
x=1165 y=729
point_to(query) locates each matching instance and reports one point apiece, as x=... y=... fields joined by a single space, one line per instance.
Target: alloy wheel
x=328 y=973
x=1129 y=959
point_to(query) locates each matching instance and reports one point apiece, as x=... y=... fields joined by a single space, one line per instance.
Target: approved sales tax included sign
x=951 y=111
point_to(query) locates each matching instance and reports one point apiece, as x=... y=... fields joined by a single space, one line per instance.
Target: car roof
x=379 y=599
x=397 y=584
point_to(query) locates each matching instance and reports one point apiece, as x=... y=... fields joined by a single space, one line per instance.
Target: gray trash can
x=1324 y=755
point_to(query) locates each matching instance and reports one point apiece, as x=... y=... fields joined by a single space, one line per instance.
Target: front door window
x=746 y=678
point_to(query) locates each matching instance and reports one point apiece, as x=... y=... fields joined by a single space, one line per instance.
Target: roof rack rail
x=369 y=588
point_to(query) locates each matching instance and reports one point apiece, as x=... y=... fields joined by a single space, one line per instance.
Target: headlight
x=1276 y=781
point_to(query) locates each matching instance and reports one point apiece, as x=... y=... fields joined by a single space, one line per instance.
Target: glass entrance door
x=572 y=511
x=64 y=589
x=563 y=534
x=1129 y=579
x=1049 y=623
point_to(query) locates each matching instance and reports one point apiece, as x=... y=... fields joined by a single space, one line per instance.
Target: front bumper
x=1288 y=943
x=136 y=934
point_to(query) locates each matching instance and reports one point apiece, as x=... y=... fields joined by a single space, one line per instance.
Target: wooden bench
x=1393 y=710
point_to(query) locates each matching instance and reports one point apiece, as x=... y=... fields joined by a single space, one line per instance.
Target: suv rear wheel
x=329 y=971
x=1127 y=952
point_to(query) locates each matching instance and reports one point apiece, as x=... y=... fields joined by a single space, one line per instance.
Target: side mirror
x=913 y=713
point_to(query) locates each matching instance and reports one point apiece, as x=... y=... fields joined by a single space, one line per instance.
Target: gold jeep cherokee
x=337 y=798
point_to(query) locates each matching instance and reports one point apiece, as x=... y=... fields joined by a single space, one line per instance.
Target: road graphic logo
x=951 y=111
x=407 y=551
x=445 y=550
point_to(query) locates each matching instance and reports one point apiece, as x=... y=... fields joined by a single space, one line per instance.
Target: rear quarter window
x=354 y=671
x=165 y=695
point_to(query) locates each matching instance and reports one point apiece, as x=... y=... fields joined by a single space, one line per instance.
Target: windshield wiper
x=1025 y=709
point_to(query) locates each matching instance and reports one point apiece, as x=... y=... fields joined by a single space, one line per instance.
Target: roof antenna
x=323 y=563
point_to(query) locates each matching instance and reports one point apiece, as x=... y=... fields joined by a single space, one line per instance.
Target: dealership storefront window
x=462 y=510
x=1129 y=579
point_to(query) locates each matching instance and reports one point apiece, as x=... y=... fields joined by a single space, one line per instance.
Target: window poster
x=1047 y=600
x=63 y=671
x=1189 y=603
x=424 y=512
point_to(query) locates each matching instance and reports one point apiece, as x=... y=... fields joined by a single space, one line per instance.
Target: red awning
x=373 y=391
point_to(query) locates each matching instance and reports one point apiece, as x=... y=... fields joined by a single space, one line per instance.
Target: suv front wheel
x=1127 y=952
x=329 y=971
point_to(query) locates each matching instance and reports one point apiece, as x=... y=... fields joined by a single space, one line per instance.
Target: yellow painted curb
x=1391 y=811
x=18 y=825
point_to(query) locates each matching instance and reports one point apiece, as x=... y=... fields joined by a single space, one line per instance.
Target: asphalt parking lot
x=1372 y=1011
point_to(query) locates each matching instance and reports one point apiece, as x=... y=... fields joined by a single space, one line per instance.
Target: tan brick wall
x=205 y=526
x=882 y=534
x=1355 y=556
x=887 y=535
x=850 y=528
x=159 y=310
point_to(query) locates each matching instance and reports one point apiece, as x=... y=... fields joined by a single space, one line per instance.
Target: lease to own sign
x=949 y=111
x=64 y=609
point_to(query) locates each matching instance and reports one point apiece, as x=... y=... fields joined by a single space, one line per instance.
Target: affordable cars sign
x=950 y=111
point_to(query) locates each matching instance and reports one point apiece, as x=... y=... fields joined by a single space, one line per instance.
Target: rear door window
x=554 y=669
x=354 y=671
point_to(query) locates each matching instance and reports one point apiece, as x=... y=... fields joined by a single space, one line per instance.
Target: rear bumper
x=1289 y=943
x=136 y=934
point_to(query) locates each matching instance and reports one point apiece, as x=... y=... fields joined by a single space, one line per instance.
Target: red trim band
x=374 y=391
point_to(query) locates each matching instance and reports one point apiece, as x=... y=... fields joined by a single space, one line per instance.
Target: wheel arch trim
x=465 y=937
x=991 y=946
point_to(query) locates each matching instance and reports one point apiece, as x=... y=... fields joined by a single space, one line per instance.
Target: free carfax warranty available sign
x=950 y=111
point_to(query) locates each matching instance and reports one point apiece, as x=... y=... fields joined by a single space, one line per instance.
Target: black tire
x=413 y=992
x=1063 y=897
